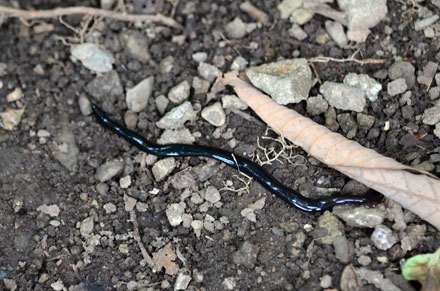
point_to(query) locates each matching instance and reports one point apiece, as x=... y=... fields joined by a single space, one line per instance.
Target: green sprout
x=425 y=269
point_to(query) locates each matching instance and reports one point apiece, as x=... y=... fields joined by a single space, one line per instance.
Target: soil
x=37 y=250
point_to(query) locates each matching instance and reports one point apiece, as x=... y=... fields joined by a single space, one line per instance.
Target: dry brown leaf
x=416 y=190
x=165 y=258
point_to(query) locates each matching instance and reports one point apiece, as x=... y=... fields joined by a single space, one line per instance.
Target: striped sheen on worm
x=246 y=166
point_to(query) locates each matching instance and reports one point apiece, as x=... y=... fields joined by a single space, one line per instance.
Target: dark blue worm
x=246 y=166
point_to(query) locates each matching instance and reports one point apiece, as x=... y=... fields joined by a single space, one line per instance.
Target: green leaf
x=425 y=269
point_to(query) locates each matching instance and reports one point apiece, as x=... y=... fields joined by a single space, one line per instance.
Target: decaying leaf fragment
x=425 y=269
x=416 y=190
x=165 y=258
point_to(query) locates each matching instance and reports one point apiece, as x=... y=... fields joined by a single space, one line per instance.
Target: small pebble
x=383 y=237
x=326 y=281
x=163 y=168
x=397 y=87
x=84 y=105
x=161 y=103
x=200 y=57
x=208 y=72
x=174 y=213
x=235 y=29
x=214 y=114
x=179 y=93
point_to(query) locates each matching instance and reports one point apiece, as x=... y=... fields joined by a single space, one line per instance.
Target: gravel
x=342 y=96
x=383 y=237
x=177 y=116
x=214 y=114
x=109 y=169
x=163 y=168
x=137 y=97
x=179 y=93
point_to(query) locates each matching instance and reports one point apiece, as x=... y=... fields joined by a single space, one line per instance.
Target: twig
x=254 y=12
x=147 y=257
x=89 y=11
x=350 y=59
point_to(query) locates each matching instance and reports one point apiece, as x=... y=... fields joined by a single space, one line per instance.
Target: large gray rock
x=287 y=81
x=343 y=97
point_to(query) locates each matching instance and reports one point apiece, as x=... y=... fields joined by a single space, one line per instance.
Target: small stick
x=254 y=12
x=351 y=59
x=25 y=14
x=147 y=257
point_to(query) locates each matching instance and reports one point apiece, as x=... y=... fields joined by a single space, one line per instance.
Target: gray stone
x=179 y=93
x=316 y=105
x=181 y=135
x=182 y=282
x=431 y=115
x=51 y=210
x=239 y=64
x=348 y=124
x=236 y=28
x=200 y=57
x=412 y=237
x=341 y=246
x=163 y=168
x=426 y=166
x=200 y=86
x=86 y=226
x=365 y=121
x=129 y=203
x=109 y=169
x=326 y=281
x=214 y=114
x=67 y=151
x=166 y=65
x=401 y=69
x=422 y=24
x=330 y=119
x=183 y=181
x=136 y=45
x=397 y=87
x=246 y=255
x=84 y=105
x=297 y=32
x=336 y=31
x=342 y=96
x=360 y=216
x=362 y=15
x=137 y=97
x=109 y=208
x=286 y=7
x=370 y=86
x=383 y=237
x=286 y=81
x=434 y=93
x=177 y=116
x=130 y=119
x=10 y=284
x=377 y=279
x=107 y=4
x=208 y=72
x=437 y=130
x=229 y=283
x=333 y=226
x=93 y=57
x=232 y=101
x=161 y=103
x=174 y=213
x=301 y=16
x=105 y=85
x=212 y=195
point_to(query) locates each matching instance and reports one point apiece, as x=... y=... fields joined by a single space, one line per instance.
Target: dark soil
x=33 y=247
